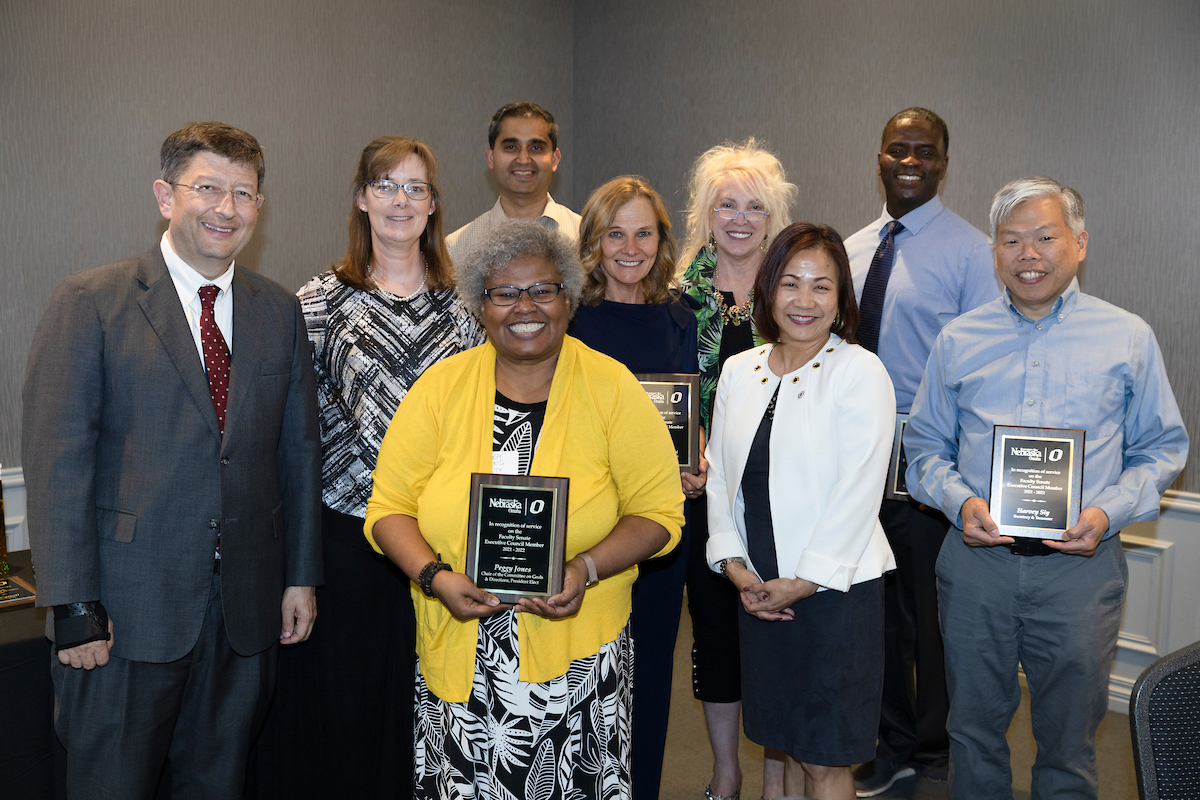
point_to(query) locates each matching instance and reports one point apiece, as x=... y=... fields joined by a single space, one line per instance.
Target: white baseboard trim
x=1177 y=502
x=1160 y=613
x=13 y=479
x=1120 y=690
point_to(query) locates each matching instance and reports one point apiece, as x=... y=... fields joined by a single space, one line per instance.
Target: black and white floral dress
x=567 y=738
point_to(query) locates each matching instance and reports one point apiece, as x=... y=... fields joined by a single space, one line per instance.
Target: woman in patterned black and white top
x=381 y=316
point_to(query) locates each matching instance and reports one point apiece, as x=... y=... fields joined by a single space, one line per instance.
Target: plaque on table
x=15 y=593
x=1037 y=480
x=516 y=535
x=676 y=395
x=3 y=537
x=896 y=488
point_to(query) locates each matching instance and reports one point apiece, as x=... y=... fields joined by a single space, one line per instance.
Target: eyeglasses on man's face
x=386 y=190
x=215 y=195
x=540 y=293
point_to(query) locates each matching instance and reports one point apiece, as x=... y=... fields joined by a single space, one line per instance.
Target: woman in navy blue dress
x=633 y=310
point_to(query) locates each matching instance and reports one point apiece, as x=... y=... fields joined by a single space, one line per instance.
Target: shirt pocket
x=1096 y=404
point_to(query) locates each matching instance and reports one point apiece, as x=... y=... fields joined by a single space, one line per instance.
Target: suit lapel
x=245 y=361
x=160 y=303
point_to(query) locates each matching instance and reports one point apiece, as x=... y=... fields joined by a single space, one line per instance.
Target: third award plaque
x=516 y=535
x=897 y=488
x=1037 y=480
x=676 y=396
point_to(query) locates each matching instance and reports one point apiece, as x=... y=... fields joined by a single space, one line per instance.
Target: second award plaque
x=676 y=396
x=1037 y=480
x=516 y=535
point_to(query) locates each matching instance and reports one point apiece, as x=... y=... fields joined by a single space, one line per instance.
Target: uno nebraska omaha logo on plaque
x=1037 y=480
x=516 y=535
x=676 y=397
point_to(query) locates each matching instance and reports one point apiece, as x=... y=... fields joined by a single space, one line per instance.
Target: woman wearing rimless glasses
x=377 y=319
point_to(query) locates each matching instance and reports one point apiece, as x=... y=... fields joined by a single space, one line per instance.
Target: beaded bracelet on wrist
x=425 y=579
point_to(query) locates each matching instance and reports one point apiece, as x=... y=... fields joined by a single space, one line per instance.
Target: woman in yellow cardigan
x=531 y=699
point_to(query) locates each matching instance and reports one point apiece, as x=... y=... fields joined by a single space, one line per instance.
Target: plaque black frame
x=896 y=487
x=689 y=461
x=1045 y=437
x=556 y=546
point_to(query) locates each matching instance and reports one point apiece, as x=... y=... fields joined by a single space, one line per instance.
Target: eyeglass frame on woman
x=383 y=194
x=723 y=214
x=216 y=195
x=558 y=289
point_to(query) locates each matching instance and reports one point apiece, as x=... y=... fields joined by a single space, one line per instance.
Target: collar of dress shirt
x=551 y=212
x=1063 y=306
x=916 y=219
x=913 y=221
x=187 y=281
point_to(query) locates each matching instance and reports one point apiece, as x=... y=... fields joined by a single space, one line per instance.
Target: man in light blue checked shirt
x=1045 y=355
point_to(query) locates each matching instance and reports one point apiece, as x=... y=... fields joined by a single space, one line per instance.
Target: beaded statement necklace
x=734 y=315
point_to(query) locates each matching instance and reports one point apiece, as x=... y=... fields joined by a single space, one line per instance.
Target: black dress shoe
x=876 y=777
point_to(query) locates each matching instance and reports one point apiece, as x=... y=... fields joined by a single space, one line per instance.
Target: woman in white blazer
x=799 y=447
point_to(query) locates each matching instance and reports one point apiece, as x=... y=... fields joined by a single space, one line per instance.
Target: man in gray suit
x=172 y=465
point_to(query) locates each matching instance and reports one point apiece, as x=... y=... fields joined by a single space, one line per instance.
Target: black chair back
x=1164 y=715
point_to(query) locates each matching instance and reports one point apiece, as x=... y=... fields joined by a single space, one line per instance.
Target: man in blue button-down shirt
x=942 y=268
x=1048 y=356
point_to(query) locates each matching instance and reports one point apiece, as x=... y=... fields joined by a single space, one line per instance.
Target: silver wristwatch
x=724 y=563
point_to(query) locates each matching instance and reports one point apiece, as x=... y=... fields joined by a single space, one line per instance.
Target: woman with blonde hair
x=740 y=200
x=634 y=311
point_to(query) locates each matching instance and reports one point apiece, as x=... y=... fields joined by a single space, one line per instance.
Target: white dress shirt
x=188 y=282
x=554 y=217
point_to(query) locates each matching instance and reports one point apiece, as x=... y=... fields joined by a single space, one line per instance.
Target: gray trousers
x=1058 y=617
x=122 y=722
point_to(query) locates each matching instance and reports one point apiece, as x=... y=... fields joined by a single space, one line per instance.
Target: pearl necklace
x=421 y=288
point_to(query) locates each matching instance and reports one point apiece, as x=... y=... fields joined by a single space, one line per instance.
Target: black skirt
x=342 y=720
x=811 y=686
